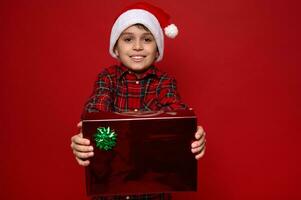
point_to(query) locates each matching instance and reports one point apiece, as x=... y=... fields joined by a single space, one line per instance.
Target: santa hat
x=152 y=17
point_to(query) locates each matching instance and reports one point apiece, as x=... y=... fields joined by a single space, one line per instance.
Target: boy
x=136 y=84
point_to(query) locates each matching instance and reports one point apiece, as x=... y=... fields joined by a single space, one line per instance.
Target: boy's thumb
x=80 y=124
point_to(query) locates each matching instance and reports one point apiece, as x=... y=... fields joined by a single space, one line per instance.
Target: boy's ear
x=116 y=52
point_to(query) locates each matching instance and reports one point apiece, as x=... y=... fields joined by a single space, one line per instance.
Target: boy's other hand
x=81 y=147
x=198 y=146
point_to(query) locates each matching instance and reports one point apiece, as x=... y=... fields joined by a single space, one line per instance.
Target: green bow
x=105 y=138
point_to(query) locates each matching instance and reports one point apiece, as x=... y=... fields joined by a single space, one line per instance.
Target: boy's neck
x=139 y=74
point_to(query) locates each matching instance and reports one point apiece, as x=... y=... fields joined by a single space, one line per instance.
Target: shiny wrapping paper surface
x=152 y=153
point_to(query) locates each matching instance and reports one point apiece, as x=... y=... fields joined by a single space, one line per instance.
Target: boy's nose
x=138 y=46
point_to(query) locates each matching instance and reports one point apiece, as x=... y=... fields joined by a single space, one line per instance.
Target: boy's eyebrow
x=130 y=33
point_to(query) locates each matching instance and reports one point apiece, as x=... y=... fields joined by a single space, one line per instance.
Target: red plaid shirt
x=117 y=89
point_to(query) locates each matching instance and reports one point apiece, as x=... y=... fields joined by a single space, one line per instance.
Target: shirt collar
x=123 y=70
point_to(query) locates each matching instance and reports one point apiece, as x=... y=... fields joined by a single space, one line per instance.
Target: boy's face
x=136 y=48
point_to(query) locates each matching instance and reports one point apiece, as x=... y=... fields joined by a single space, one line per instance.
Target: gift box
x=140 y=152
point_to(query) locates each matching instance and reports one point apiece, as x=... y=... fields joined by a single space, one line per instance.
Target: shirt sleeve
x=169 y=98
x=102 y=96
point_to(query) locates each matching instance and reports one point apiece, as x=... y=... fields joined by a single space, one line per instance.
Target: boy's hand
x=81 y=147
x=198 y=146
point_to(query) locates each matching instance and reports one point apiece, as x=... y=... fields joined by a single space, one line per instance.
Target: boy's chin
x=139 y=70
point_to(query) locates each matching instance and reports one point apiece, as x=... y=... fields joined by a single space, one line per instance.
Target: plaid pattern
x=119 y=90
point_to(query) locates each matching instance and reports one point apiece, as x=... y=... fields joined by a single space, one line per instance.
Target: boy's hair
x=141 y=26
x=151 y=17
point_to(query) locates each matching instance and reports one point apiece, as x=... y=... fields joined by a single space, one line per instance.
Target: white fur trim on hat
x=138 y=16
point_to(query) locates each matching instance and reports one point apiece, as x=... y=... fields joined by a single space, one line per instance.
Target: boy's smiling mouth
x=137 y=58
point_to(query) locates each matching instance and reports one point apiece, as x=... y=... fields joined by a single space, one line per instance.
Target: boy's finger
x=200 y=155
x=82 y=162
x=198 y=149
x=83 y=155
x=195 y=144
x=78 y=139
x=81 y=148
x=200 y=133
x=198 y=142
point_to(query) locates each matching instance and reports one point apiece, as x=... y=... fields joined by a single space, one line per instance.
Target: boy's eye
x=127 y=39
x=148 y=39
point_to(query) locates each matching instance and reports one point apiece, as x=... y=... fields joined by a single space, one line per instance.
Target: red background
x=237 y=63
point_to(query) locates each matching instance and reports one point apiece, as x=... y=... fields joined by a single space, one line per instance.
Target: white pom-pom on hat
x=152 y=17
x=171 y=31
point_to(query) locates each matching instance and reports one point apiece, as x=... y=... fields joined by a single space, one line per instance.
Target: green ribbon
x=105 y=138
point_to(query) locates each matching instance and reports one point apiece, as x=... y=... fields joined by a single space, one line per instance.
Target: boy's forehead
x=136 y=29
x=134 y=33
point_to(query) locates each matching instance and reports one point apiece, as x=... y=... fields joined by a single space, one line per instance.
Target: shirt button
x=136 y=110
x=127 y=197
x=137 y=82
